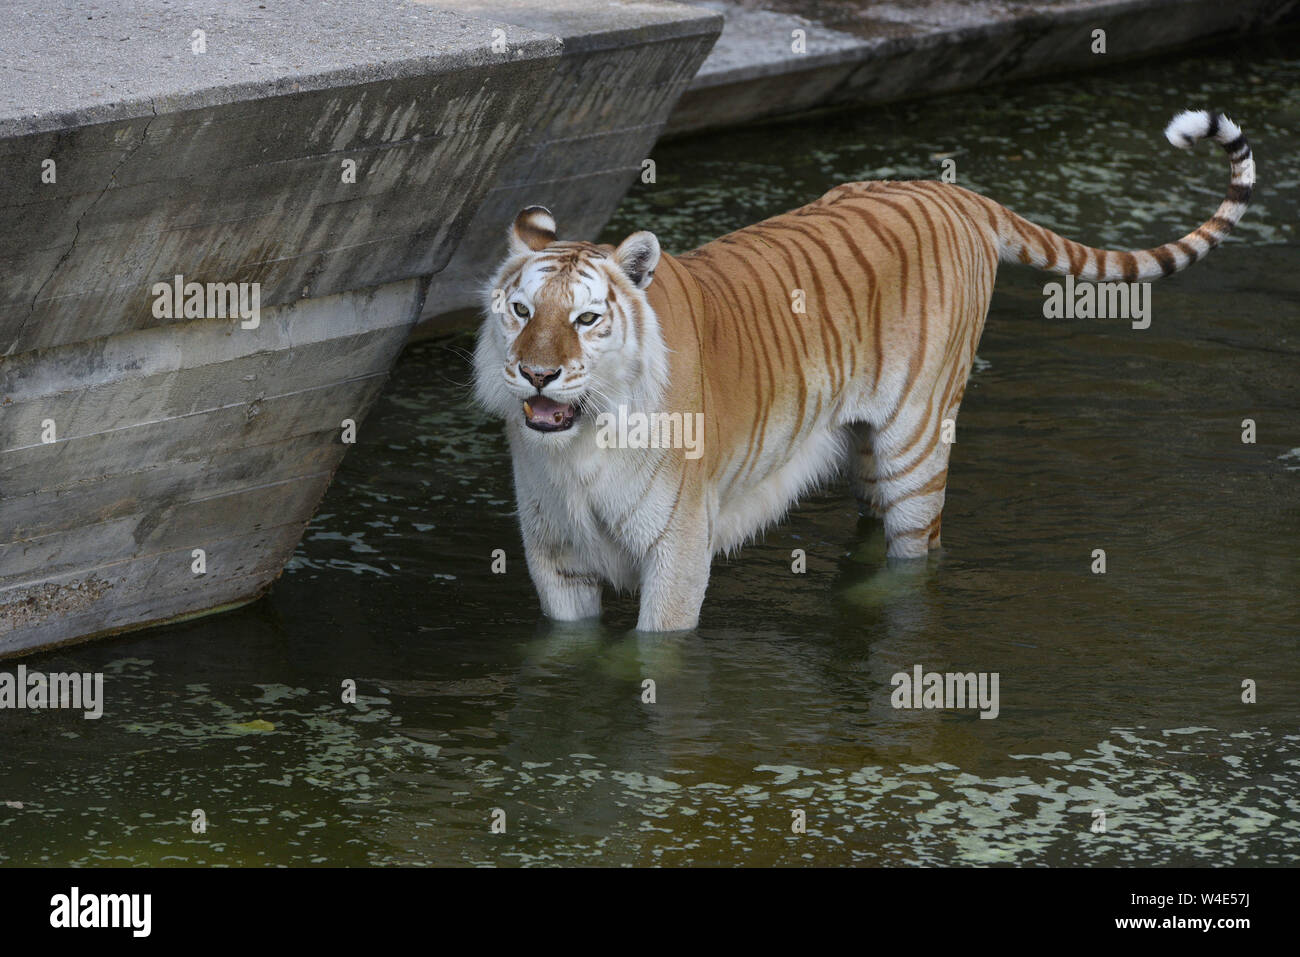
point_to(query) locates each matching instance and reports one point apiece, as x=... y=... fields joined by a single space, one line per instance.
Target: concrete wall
x=183 y=433
x=865 y=51
x=176 y=438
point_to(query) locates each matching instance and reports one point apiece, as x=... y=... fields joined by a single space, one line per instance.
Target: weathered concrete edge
x=22 y=651
x=685 y=27
x=862 y=52
x=523 y=43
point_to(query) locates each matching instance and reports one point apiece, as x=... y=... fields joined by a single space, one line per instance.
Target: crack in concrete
x=76 y=227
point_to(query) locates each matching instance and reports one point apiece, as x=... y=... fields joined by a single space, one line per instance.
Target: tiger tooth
x=559 y=416
x=528 y=410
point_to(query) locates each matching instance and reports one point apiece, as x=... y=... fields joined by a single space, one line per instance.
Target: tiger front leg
x=567 y=590
x=675 y=576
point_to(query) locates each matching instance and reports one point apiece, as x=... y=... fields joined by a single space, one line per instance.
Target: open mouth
x=547 y=415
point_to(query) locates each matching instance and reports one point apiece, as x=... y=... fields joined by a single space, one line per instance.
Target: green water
x=1119 y=692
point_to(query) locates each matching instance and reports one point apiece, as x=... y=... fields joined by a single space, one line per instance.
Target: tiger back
x=840 y=333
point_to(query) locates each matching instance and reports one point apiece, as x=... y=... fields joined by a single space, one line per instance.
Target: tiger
x=835 y=339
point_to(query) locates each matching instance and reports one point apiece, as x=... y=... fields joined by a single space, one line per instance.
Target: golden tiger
x=837 y=337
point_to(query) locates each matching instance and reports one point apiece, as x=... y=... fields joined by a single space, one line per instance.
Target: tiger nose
x=539 y=377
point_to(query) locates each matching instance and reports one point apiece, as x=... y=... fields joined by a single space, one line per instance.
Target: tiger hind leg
x=862 y=468
x=910 y=486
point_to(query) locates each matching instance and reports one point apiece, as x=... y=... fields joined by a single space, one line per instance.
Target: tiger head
x=569 y=331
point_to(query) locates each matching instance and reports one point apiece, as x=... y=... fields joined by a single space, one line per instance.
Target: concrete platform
x=863 y=52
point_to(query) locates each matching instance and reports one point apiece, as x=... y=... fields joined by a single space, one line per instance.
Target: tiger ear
x=637 y=256
x=533 y=230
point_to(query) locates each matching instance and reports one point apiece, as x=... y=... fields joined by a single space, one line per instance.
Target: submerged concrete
x=158 y=464
x=780 y=57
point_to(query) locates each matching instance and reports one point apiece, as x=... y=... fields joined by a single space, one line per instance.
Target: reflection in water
x=1119 y=693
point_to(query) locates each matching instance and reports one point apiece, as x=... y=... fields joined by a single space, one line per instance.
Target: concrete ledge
x=862 y=52
x=130 y=436
x=250 y=190
x=103 y=63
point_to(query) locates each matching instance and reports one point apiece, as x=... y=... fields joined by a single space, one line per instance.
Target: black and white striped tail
x=1184 y=131
x=1040 y=247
